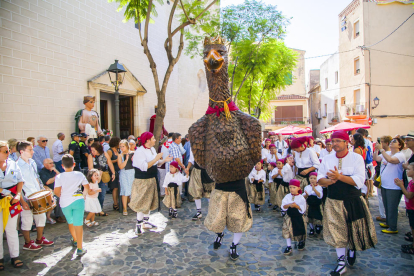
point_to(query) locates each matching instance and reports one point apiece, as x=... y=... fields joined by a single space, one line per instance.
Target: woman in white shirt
x=257 y=178
x=145 y=193
x=266 y=149
x=391 y=193
x=306 y=160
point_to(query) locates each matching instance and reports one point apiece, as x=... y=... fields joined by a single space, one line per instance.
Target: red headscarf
x=295 y=182
x=328 y=141
x=272 y=146
x=283 y=160
x=297 y=143
x=313 y=173
x=340 y=134
x=273 y=164
x=145 y=137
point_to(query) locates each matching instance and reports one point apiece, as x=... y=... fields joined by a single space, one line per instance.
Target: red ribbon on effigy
x=217 y=110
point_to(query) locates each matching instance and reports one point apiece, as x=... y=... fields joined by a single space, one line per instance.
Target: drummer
x=11 y=183
x=31 y=185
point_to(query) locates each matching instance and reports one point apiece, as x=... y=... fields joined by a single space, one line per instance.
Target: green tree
x=246 y=27
x=196 y=16
x=271 y=63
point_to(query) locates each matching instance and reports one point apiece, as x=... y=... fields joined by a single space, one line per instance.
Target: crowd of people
x=319 y=186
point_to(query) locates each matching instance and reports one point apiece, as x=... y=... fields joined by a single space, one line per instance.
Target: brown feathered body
x=227 y=148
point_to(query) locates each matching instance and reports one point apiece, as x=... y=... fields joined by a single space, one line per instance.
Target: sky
x=313 y=27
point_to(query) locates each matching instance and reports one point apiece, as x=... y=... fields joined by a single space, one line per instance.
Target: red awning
x=344 y=126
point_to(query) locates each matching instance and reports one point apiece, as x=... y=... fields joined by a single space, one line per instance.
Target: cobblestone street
x=184 y=247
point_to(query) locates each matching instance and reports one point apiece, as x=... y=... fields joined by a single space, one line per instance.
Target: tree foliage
x=188 y=14
x=271 y=63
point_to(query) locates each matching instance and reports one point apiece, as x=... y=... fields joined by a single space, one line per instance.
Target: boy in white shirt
x=294 y=227
x=288 y=174
x=275 y=179
x=173 y=180
x=68 y=187
x=257 y=178
x=313 y=195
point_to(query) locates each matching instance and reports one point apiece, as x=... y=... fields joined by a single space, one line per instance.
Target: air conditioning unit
x=359 y=108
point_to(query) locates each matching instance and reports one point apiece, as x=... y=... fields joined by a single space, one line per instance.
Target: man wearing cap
x=347 y=219
x=74 y=150
x=84 y=150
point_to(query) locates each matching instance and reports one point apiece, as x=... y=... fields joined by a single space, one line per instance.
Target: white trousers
x=162 y=173
x=27 y=220
x=11 y=235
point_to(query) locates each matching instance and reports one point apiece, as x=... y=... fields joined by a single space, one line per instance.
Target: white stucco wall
x=49 y=49
x=330 y=94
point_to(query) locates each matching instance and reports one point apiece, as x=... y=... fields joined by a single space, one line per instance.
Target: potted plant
x=335 y=119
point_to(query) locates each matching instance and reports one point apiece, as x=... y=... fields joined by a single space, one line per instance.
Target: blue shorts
x=74 y=212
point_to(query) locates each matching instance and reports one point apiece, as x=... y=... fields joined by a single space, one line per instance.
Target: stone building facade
x=54 y=52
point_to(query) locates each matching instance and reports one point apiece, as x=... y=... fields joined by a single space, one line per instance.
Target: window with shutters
x=357 y=70
x=289 y=114
x=356 y=29
x=289 y=78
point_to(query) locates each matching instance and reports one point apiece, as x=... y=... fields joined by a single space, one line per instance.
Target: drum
x=41 y=202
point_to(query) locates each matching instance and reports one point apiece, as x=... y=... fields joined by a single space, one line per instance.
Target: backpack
x=368 y=157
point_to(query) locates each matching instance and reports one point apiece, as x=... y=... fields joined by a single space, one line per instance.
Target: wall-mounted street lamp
x=116 y=74
x=376 y=102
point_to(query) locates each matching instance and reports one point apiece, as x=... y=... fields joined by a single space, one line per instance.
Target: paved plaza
x=185 y=247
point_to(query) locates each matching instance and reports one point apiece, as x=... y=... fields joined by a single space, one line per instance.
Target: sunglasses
x=44 y=141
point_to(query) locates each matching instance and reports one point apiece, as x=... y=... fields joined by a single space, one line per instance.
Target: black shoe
x=318 y=229
x=340 y=268
x=301 y=245
x=233 y=254
x=174 y=215
x=283 y=213
x=138 y=230
x=275 y=208
x=350 y=260
x=270 y=204
x=197 y=216
x=218 y=241
x=258 y=209
x=311 y=232
x=170 y=212
x=288 y=250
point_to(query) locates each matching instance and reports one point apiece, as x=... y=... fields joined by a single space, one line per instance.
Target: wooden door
x=104 y=114
x=126 y=116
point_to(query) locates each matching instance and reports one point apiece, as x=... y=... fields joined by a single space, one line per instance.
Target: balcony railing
x=355 y=109
x=334 y=117
x=290 y=121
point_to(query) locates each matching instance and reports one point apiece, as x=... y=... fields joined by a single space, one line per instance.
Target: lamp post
x=116 y=74
x=376 y=102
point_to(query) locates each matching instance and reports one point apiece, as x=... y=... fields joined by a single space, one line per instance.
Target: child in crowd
x=276 y=178
x=294 y=223
x=172 y=181
x=409 y=205
x=92 y=204
x=68 y=187
x=257 y=178
x=287 y=174
x=313 y=195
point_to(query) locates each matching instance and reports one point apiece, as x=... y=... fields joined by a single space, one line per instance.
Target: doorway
x=104 y=114
x=126 y=116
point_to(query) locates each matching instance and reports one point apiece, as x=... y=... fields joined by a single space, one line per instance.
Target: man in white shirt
x=58 y=152
x=31 y=185
x=347 y=220
x=281 y=146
